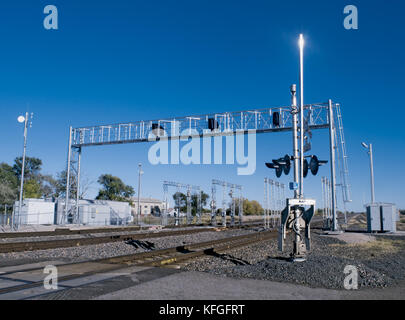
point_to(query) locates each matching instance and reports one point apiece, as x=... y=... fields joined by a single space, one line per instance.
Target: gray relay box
x=381 y=217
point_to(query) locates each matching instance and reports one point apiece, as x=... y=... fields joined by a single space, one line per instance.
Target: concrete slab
x=353 y=237
x=6 y=283
x=20 y=267
x=27 y=293
x=199 y=285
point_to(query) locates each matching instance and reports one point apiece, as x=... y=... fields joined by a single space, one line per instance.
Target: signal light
x=305 y=173
x=287 y=164
x=276 y=119
x=212 y=124
x=284 y=165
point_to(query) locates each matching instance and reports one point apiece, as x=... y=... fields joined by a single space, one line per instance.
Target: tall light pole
x=370 y=153
x=140 y=172
x=22 y=119
x=301 y=45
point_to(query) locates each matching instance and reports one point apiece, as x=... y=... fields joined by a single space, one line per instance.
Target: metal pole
x=68 y=176
x=22 y=170
x=301 y=45
x=294 y=112
x=372 y=173
x=332 y=166
x=139 y=192
x=79 y=158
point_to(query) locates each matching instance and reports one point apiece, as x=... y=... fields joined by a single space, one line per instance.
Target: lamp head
x=364 y=145
x=301 y=41
x=21 y=119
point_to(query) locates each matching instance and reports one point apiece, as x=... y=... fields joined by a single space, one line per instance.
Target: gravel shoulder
x=380 y=263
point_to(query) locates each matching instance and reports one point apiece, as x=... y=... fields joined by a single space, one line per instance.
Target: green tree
x=32 y=168
x=180 y=201
x=32 y=176
x=32 y=189
x=194 y=201
x=8 y=184
x=114 y=189
x=250 y=207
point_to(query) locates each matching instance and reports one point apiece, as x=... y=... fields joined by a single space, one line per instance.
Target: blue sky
x=116 y=61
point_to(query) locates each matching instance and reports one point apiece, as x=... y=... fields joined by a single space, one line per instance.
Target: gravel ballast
x=379 y=264
x=105 y=250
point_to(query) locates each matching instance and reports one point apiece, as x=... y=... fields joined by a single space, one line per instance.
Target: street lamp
x=140 y=172
x=370 y=153
x=22 y=119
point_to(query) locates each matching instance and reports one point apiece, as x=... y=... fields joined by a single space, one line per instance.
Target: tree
x=114 y=189
x=32 y=168
x=194 y=201
x=32 y=189
x=8 y=185
x=250 y=207
x=180 y=199
x=32 y=176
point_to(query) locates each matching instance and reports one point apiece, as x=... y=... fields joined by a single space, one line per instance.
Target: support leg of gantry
x=232 y=208
x=199 y=207
x=213 y=206
x=224 y=205
x=240 y=212
x=189 y=215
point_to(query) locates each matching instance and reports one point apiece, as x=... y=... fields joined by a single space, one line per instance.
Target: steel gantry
x=189 y=189
x=235 y=196
x=275 y=119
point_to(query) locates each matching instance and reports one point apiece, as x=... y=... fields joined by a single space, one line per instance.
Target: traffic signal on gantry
x=284 y=165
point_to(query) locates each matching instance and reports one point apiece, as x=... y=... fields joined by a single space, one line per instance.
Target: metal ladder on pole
x=342 y=160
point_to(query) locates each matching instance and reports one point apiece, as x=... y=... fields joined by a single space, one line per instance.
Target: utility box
x=381 y=217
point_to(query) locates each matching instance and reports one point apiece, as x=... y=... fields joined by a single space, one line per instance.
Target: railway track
x=21 y=246
x=156 y=258
x=69 y=232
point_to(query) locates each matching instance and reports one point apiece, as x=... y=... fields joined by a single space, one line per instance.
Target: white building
x=91 y=212
x=35 y=211
x=148 y=206
x=104 y=212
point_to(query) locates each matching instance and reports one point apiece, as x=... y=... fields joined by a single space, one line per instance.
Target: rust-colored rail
x=160 y=257
x=21 y=246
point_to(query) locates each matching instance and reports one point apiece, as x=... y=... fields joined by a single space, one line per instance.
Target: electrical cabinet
x=381 y=217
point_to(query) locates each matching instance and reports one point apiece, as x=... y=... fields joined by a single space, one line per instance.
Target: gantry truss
x=235 y=200
x=275 y=119
x=228 y=123
x=189 y=189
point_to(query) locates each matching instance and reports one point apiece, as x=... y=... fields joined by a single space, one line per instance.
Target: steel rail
x=161 y=257
x=7 y=247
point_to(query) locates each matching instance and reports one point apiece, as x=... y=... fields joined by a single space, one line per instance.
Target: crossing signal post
x=298 y=211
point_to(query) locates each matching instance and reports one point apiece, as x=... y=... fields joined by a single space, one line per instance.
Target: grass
x=375 y=248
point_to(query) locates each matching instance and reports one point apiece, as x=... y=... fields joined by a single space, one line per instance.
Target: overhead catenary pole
x=332 y=165
x=301 y=45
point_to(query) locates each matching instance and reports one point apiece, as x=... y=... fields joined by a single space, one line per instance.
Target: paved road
x=198 y=285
